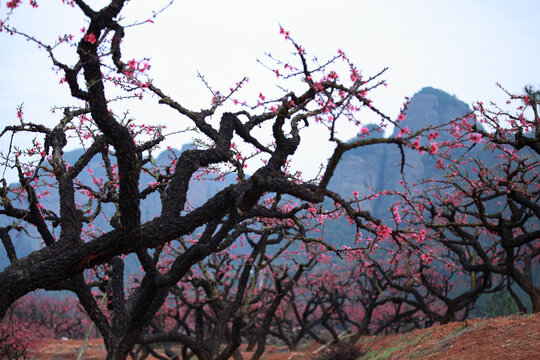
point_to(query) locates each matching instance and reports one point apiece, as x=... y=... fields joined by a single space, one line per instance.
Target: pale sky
x=461 y=46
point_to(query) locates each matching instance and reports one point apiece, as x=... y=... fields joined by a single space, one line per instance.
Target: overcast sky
x=461 y=46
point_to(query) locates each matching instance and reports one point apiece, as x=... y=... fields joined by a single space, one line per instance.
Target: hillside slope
x=514 y=337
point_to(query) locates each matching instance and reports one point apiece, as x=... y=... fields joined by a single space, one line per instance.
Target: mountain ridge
x=376 y=166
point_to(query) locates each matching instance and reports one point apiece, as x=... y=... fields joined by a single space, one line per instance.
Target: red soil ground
x=513 y=337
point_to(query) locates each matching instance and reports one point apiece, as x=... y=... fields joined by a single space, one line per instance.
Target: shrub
x=15 y=342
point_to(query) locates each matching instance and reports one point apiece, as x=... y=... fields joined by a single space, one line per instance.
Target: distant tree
x=229 y=296
x=50 y=317
x=15 y=340
x=497 y=304
x=429 y=286
x=481 y=217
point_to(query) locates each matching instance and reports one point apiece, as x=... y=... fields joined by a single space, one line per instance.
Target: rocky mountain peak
x=432 y=106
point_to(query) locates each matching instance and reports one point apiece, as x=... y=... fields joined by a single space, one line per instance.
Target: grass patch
x=458 y=331
x=381 y=354
x=404 y=342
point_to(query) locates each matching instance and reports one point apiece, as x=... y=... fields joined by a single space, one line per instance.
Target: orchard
x=251 y=264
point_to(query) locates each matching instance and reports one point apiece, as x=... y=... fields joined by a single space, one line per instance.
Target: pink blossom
x=440 y=164
x=333 y=75
x=19 y=112
x=355 y=76
x=283 y=32
x=434 y=148
x=384 y=231
x=324 y=258
x=404 y=131
x=91 y=38
x=317 y=86
x=475 y=138
x=434 y=135
x=13 y=4
x=397 y=216
x=416 y=144
x=426 y=258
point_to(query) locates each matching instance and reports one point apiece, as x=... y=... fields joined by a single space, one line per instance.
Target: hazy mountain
x=377 y=166
x=25 y=243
